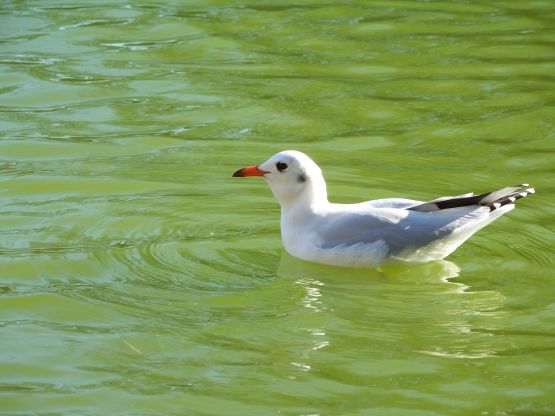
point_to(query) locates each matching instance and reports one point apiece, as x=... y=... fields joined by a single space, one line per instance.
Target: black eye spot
x=302 y=178
x=281 y=166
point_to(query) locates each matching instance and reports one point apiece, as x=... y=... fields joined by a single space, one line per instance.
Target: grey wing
x=404 y=223
x=398 y=228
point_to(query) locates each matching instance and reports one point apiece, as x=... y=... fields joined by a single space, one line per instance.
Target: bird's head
x=292 y=176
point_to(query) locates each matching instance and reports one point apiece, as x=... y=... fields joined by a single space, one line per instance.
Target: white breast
x=301 y=240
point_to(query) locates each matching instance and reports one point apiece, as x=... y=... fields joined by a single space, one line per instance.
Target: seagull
x=371 y=233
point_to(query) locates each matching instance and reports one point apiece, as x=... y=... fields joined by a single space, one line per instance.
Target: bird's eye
x=281 y=166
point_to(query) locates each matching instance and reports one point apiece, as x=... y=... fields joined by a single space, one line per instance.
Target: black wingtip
x=510 y=195
x=511 y=198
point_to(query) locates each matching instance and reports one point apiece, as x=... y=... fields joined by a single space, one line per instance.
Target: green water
x=138 y=278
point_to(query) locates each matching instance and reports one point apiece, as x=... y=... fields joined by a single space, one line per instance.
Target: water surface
x=137 y=277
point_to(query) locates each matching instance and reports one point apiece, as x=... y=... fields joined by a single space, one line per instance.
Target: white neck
x=297 y=210
x=310 y=199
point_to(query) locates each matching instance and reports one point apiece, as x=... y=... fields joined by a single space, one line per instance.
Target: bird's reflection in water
x=303 y=272
x=397 y=306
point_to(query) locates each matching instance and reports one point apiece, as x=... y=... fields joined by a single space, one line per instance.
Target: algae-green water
x=138 y=278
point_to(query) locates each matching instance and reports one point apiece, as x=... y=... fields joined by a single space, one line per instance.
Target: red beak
x=250 y=171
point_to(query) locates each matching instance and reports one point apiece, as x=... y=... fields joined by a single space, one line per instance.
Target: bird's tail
x=492 y=200
x=505 y=196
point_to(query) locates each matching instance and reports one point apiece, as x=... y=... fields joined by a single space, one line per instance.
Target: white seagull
x=371 y=233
